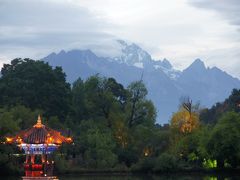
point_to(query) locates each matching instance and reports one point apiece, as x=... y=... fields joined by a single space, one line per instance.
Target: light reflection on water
x=141 y=177
x=152 y=177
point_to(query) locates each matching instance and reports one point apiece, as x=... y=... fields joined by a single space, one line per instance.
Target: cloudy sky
x=179 y=30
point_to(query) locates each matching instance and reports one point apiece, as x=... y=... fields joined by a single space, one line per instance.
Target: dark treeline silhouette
x=113 y=127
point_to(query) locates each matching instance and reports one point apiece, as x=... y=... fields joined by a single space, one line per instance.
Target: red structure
x=38 y=143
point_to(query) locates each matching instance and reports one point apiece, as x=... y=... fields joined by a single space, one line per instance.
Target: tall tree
x=223 y=144
x=141 y=110
x=36 y=85
x=103 y=96
x=78 y=97
x=232 y=103
x=187 y=118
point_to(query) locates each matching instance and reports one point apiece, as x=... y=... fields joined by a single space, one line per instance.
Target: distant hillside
x=232 y=103
x=164 y=83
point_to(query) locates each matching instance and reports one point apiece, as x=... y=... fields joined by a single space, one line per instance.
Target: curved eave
x=43 y=135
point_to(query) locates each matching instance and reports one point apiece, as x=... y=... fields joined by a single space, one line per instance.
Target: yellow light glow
x=39 y=122
x=19 y=140
x=9 y=140
x=69 y=139
x=146 y=152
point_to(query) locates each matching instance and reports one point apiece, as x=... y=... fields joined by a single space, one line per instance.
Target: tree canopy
x=114 y=127
x=35 y=85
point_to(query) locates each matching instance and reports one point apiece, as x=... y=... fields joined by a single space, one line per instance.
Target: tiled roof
x=40 y=134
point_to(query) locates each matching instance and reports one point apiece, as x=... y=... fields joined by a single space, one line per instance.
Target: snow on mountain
x=167 y=68
x=165 y=84
x=133 y=55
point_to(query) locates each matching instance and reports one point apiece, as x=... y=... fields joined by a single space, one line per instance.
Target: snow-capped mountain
x=133 y=55
x=165 y=84
x=167 y=68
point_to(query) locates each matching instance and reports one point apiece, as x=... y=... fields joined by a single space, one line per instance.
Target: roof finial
x=39 y=122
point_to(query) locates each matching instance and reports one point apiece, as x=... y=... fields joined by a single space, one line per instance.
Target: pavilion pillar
x=27 y=157
x=43 y=157
x=47 y=158
x=32 y=158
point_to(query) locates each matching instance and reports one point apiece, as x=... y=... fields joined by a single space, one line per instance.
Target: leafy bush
x=166 y=162
x=144 y=165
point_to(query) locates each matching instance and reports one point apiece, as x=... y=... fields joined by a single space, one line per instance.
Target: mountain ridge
x=165 y=84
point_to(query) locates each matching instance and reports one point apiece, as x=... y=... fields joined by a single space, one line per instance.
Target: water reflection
x=143 y=177
x=152 y=177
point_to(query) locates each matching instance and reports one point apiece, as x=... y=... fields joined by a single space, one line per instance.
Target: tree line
x=114 y=127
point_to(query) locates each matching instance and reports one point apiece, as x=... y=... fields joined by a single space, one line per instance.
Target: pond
x=144 y=177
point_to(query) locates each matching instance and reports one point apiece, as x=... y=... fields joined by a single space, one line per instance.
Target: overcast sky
x=179 y=30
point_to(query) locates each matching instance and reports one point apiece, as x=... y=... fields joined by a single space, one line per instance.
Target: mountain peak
x=122 y=42
x=166 y=85
x=197 y=64
x=132 y=54
x=166 y=63
x=61 y=52
x=53 y=54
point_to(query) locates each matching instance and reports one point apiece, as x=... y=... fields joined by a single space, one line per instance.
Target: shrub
x=166 y=162
x=144 y=165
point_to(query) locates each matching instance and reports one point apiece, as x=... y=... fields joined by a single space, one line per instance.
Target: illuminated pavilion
x=38 y=143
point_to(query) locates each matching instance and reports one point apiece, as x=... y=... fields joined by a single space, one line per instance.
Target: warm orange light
x=59 y=142
x=19 y=140
x=9 y=140
x=146 y=152
x=39 y=122
x=50 y=139
x=69 y=139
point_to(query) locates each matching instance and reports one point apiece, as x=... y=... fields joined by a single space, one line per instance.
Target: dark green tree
x=223 y=144
x=78 y=101
x=36 y=85
x=140 y=109
x=232 y=103
x=103 y=97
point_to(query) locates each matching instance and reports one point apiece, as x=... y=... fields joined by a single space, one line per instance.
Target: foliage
x=185 y=122
x=61 y=165
x=7 y=124
x=145 y=164
x=113 y=127
x=212 y=115
x=166 y=162
x=140 y=109
x=99 y=150
x=186 y=119
x=223 y=144
x=35 y=85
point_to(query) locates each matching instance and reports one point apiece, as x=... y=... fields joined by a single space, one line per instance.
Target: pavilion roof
x=39 y=134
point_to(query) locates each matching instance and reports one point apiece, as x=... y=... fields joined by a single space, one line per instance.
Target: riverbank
x=143 y=176
x=129 y=172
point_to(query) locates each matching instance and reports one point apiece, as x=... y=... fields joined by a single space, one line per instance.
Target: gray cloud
x=34 y=28
x=31 y=27
x=229 y=9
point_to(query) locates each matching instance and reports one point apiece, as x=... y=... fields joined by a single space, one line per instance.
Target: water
x=143 y=177
x=154 y=177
